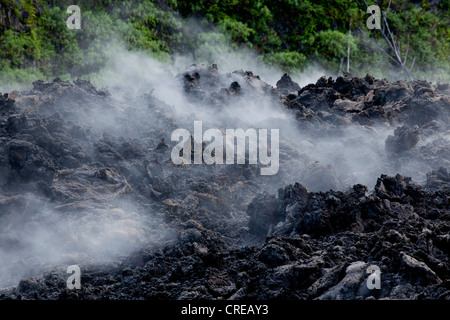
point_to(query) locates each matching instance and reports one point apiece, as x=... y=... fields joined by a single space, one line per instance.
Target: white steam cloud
x=38 y=234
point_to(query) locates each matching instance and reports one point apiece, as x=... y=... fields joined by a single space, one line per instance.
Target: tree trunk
x=348 y=47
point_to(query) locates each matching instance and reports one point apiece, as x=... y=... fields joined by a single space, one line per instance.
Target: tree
x=395 y=54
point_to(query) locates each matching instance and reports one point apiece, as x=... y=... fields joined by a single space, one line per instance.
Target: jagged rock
x=347 y=288
x=418 y=271
x=404 y=139
x=438 y=178
x=234 y=87
x=263 y=214
x=285 y=85
x=318 y=177
x=88 y=165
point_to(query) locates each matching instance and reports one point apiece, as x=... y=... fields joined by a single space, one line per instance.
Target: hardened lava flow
x=87 y=179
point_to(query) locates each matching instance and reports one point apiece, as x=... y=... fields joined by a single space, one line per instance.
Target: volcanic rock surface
x=86 y=178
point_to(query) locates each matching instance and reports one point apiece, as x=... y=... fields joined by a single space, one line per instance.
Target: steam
x=38 y=234
x=355 y=154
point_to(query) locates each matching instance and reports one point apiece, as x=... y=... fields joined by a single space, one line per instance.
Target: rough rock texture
x=285 y=85
x=75 y=155
x=404 y=139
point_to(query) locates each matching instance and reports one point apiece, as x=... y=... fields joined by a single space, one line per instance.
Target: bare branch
x=396 y=51
x=376 y=44
x=393 y=44
x=406 y=52
x=412 y=64
x=348 y=46
x=387 y=40
x=340 y=67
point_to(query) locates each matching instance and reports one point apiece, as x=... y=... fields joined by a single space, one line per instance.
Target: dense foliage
x=290 y=34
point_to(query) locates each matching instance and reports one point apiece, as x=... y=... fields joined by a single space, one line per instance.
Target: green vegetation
x=290 y=34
